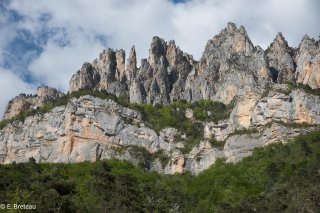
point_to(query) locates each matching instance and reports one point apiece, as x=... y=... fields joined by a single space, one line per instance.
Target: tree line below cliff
x=277 y=178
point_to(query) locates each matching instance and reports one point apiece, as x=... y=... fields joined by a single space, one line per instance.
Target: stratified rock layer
x=239 y=146
x=90 y=129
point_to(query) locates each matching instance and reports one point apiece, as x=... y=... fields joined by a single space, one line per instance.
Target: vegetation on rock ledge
x=159 y=116
x=304 y=87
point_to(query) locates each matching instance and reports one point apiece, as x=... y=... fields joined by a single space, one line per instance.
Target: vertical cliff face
x=90 y=129
x=105 y=73
x=229 y=62
x=86 y=77
x=153 y=76
x=308 y=63
x=162 y=77
x=131 y=66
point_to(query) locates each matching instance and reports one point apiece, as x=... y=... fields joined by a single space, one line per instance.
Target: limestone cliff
x=229 y=62
x=281 y=60
x=90 y=129
x=308 y=63
x=25 y=102
x=269 y=105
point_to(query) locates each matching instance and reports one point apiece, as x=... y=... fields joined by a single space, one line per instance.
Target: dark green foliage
x=277 y=178
x=113 y=193
x=144 y=156
x=4 y=123
x=243 y=131
x=173 y=115
x=163 y=158
x=211 y=110
x=217 y=144
x=291 y=86
x=266 y=91
x=304 y=87
x=308 y=89
x=293 y=124
x=20 y=117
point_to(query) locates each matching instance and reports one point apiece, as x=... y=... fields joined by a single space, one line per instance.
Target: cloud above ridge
x=60 y=35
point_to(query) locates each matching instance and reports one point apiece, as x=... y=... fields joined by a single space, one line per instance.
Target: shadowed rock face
x=230 y=69
x=281 y=60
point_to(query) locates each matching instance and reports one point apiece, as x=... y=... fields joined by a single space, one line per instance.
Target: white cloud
x=57 y=64
x=129 y=22
x=11 y=85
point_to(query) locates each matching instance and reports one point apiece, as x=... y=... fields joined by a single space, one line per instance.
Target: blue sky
x=45 y=42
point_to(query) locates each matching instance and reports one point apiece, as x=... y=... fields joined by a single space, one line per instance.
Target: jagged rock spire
x=229 y=62
x=131 y=67
x=280 y=40
x=230 y=59
x=231 y=27
x=280 y=60
x=120 y=65
x=308 y=63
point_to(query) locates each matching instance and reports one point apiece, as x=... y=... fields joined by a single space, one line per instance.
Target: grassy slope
x=277 y=178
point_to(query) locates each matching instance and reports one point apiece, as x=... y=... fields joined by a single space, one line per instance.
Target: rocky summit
x=235 y=98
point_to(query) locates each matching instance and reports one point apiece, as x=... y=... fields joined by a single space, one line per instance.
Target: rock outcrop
x=308 y=63
x=90 y=129
x=86 y=129
x=281 y=60
x=25 y=102
x=269 y=105
x=229 y=63
x=295 y=107
x=160 y=78
x=241 y=145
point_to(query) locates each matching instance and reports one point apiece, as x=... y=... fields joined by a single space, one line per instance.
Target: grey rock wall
x=230 y=69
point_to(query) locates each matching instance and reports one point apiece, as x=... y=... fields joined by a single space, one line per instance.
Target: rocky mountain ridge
x=273 y=93
x=229 y=62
